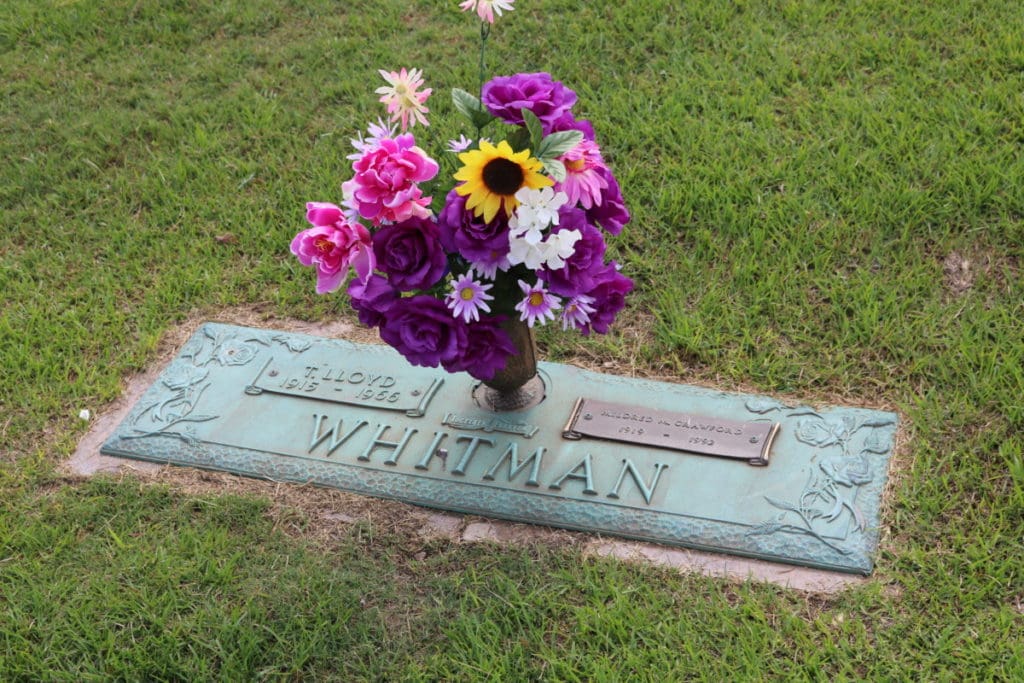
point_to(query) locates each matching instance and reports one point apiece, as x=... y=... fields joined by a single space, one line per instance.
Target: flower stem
x=485 y=31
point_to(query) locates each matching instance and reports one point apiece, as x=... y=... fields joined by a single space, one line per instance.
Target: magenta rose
x=422 y=329
x=506 y=97
x=410 y=253
x=332 y=245
x=609 y=296
x=488 y=348
x=385 y=189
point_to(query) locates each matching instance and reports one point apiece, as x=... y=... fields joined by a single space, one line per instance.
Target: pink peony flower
x=332 y=245
x=384 y=189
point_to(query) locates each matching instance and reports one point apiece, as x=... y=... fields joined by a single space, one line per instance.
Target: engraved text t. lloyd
x=361 y=386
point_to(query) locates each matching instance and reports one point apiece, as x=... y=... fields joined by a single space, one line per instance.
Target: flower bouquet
x=516 y=242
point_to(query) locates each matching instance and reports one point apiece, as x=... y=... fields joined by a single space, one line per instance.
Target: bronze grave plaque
x=686 y=432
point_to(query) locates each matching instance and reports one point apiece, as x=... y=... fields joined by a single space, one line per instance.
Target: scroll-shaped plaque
x=408 y=390
x=689 y=433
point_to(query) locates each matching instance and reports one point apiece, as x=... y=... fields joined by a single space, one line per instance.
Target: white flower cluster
x=537 y=211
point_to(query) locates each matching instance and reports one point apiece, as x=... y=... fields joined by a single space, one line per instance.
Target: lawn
x=827 y=205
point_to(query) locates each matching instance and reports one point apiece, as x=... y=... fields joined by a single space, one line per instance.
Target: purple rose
x=581 y=270
x=609 y=298
x=569 y=122
x=506 y=96
x=611 y=214
x=372 y=299
x=410 y=253
x=488 y=348
x=467 y=233
x=422 y=329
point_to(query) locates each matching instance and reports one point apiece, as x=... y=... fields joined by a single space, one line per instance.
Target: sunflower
x=492 y=176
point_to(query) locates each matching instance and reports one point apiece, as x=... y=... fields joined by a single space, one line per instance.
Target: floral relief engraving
x=828 y=499
x=182 y=386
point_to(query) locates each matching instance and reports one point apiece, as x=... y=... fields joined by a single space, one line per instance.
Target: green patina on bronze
x=291 y=407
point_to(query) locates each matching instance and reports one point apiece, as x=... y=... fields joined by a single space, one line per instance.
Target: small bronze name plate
x=750 y=441
x=360 y=385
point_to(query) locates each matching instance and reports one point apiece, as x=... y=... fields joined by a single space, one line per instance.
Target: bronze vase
x=517 y=386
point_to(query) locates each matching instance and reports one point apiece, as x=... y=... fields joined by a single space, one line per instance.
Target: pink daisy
x=485 y=9
x=584 y=183
x=537 y=304
x=376 y=132
x=491 y=264
x=403 y=97
x=468 y=298
x=577 y=312
x=460 y=145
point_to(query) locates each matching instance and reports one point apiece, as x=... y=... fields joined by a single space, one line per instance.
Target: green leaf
x=559 y=143
x=533 y=125
x=466 y=103
x=471 y=107
x=519 y=139
x=555 y=169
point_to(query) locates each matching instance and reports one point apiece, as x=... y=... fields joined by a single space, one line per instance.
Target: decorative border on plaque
x=368 y=391
x=171 y=410
x=684 y=432
x=829 y=498
x=533 y=507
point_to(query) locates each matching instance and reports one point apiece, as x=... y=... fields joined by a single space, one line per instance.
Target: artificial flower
x=537 y=211
x=610 y=213
x=507 y=96
x=468 y=234
x=577 y=312
x=609 y=298
x=460 y=145
x=372 y=299
x=584 y=182
x=403 y=97
x=487 y=349
x=489 y=265
x=527 y=247
x=469 y=297
x=376 y=132
x=485 y=9
x=492 y=175
x=559 y=246
x=385 y=188
x=506 y=238
x=521 y=251
x=578 y=273
x=422 y=329
x=332 y=245
x=537 y=304
x=410 y=253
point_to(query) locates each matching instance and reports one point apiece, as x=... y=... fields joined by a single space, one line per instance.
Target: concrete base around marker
x=87 y=461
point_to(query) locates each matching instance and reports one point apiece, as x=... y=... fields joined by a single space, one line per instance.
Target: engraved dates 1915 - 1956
x=353 y=386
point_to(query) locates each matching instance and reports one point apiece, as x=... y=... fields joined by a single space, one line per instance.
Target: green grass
x=799 y=174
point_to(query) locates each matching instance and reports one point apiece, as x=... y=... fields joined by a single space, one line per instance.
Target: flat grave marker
x=670 y=463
